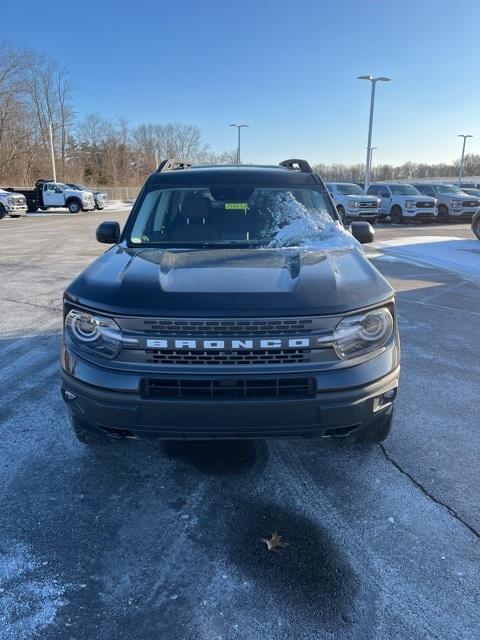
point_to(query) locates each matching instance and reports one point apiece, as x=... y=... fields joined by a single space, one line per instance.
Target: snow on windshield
x=294 y=225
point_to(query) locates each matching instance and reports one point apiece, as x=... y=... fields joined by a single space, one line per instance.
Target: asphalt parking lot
x=163 y=541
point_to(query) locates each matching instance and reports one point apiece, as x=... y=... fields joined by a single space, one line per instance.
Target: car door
x=385 y=197
x=52 y=195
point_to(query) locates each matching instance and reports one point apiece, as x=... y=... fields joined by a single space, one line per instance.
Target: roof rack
x=297 y=165
x=173 y=164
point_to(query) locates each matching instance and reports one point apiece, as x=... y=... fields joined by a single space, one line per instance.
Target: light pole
x=52 y=153
x=464 y=136
x=370 y=123
x=372 y=149
x=239 y=127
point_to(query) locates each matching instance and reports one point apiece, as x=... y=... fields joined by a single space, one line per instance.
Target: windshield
x=224 y=216
x=404 y=190
x=448 y=188
x=77 y=187
x=349 y=190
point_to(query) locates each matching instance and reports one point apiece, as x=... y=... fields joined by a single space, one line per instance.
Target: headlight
x=409 y=204
x=93 y=333
x=356 y=204
x=457 y=204
x=359 y=334
x=11 y=201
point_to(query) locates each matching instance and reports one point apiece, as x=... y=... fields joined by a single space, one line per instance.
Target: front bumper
x=462 y=214
x=344 y=401
x=16 y=210
x=420 y=214
x=363 y=214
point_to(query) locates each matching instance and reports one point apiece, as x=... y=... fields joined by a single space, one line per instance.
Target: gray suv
x=452 y=202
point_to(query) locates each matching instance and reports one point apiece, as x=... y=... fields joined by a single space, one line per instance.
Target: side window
x=384 y=192
x=372 y=190
x=57 y=189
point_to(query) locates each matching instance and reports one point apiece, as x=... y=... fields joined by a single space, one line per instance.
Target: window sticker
x=236 y=206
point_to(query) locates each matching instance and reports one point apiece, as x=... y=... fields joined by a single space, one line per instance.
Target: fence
x=125 y=194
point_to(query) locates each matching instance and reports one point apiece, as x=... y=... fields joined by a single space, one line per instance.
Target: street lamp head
x=383 y=79
x=372 y=79
x=463 y=135
x=364 y=78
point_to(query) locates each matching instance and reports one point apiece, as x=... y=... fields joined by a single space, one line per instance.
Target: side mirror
x=363 y=232
x=108 y=232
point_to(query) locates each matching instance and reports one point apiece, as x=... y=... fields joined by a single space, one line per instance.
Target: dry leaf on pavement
x=275 y=542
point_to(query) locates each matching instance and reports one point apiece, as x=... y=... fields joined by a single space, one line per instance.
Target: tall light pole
x=52 y=153
x=372 y=149
x=370 y=123
x=464 y=136
x=239 y=128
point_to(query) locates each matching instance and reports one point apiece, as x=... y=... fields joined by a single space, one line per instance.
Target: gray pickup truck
x=452 y=202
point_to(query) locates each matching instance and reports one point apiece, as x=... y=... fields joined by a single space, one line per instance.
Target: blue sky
x=286 y=67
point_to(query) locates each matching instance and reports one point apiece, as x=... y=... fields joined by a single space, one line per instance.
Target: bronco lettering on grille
x=228 y=343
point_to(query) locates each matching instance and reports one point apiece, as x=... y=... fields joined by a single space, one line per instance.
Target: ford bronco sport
x=233 y=304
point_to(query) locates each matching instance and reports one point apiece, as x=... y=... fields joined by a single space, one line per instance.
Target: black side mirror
x=108 y=232
x=363 y=232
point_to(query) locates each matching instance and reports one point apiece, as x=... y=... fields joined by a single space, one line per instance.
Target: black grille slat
x=206 y=328
x=368 y=205
x=244 y=356
x=243 y=388
x=471 y=203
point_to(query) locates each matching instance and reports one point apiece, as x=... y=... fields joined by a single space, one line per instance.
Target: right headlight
x=457 y=204
x=97 y=334
x=361 y=333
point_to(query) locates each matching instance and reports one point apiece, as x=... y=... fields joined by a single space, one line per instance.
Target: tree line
x=36 y=91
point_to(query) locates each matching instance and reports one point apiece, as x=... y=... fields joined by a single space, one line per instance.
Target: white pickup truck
x=352 y=203
x=49 y=195
x=403 y=202
x=13 y=204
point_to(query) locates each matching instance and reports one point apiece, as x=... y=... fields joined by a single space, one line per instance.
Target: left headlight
x=358 y=334
x=457 y=204
x=97 y=334
x=409 y=204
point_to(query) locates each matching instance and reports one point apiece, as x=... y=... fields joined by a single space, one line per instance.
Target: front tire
x=74 y=206
x=396 y=215
x=442 y=215
x=476 y=228
x=3 y=212
x=341 y=213
x=85 y=436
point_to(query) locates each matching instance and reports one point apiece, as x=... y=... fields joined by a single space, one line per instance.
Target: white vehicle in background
x=352 y=203
x=13 y=204
x=101 y=198
x=403 y=202
x=452 y=202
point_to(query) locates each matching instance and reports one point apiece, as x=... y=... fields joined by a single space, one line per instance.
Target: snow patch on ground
x=29 y=596
x=455 y=254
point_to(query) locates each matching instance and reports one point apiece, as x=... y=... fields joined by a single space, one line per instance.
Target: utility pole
x=460 y=174
x=239 y=127
x=370 y=123
x=52 y=152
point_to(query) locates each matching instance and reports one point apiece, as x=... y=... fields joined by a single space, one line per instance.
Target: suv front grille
x=192 y=328
x=242 y=357
x=368 y=205
x=471 y=203
x=243 y=388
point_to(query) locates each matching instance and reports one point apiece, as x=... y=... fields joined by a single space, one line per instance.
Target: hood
x=419 y=198
x=361 y=198
x=229 y=282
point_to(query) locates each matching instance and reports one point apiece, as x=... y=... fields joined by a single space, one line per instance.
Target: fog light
x=389 y=395
x=68 y=395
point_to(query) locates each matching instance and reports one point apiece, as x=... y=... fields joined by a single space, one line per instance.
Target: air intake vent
x=253 y=389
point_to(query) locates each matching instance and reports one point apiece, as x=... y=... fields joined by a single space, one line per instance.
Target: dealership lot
x=163 y=541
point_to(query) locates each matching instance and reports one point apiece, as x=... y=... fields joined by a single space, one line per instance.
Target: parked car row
x=49 y=195
x=420 y=201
